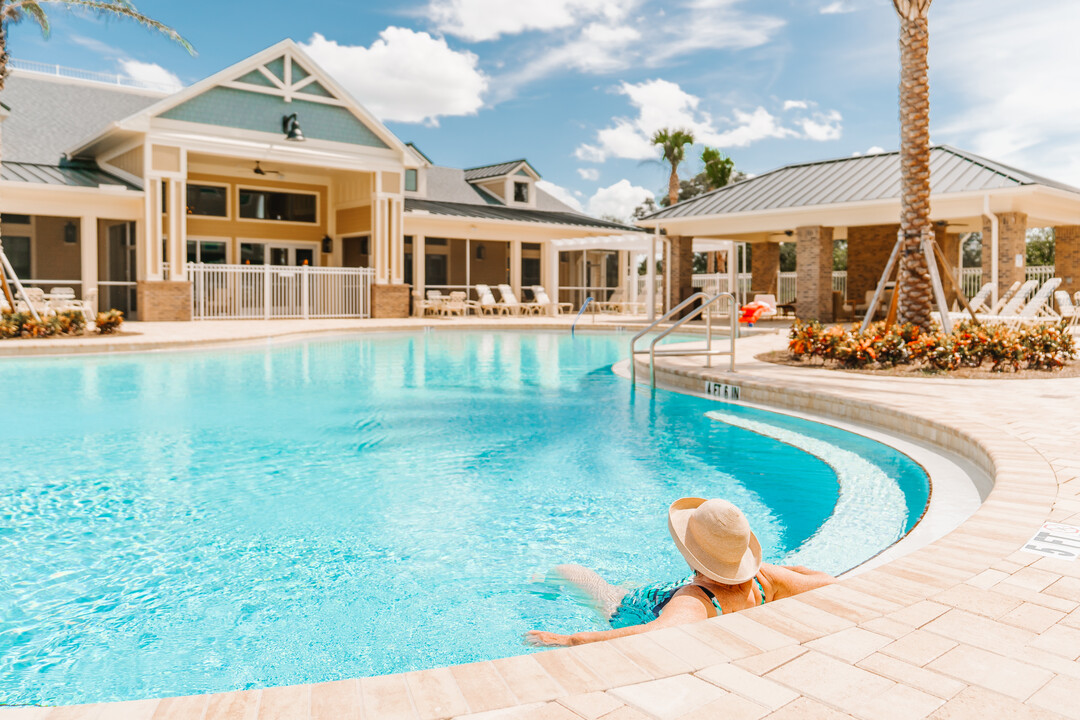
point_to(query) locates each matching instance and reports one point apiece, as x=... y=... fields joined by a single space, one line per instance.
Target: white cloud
x=560 y=193
x=837 y=8
x=590 y=174
x=150 y=75
x=875 y=150
x=823 y=126
x=663 y=104
x=618 y=200
x=405 y=75
x=795 y=105
x=478 y=20
x=1006 y=76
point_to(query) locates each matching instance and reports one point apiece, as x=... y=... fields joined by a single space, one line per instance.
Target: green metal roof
x=496 y=212
x=491 y=171
x=76 y=174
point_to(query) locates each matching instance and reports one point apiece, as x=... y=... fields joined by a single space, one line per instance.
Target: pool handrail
x=709 y=353
x=667 y=316
x=580 y=313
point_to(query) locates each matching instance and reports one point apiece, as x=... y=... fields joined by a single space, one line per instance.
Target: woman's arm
x=783 y=581
x=686 y=606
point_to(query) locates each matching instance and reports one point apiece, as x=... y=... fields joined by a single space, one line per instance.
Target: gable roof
x=486 y=172
x=258 y=74
x=864 y=178
x=50 y=114
x=76 y=174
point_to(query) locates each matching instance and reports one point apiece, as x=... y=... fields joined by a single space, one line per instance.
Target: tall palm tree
x=718 y=167
x=14 y=11
x=672 y=144
x=915 y=300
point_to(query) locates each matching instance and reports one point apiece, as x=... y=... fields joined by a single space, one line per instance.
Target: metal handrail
x=580 y=313
x=666 y=316
x=709 y=352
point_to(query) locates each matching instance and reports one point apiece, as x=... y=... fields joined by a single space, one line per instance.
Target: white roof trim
x=641 y=242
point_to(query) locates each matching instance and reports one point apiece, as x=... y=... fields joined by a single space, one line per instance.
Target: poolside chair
x=766 y=299
x=540 y=297
x=62 y=299
x=457 y=304
x=434 y=302
x=1011 y=293
x=518 y=308
x=1066 y=308
x=488 y=304
x=619 y=302
x=1010 y=304
x=422 y=306
x=1035 y=310
x=37 y=300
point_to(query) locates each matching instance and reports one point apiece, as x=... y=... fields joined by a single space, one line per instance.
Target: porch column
x=419 y=272
x=177 y=231
x=515 y=267
x=549 y=270
x=813 y=262
x=389 y=293
x=88 y=249
x=764 y=266
x=869 y=247
x=1011 y=251
x=1067 y=257
x=150 y=243
x=682 y=269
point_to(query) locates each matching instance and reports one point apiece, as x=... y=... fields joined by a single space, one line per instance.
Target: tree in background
x=1040 y=247
x=672 y=144
x=718 y=168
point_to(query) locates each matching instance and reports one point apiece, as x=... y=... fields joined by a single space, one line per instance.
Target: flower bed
x=1044 y=346
x=66 y=323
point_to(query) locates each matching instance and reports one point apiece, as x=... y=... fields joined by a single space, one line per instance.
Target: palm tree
x=14 y=11
x=915 y=300
x=718 y=167
x=672 y=145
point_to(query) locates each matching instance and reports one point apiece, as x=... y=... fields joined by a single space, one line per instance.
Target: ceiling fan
x=260 y=171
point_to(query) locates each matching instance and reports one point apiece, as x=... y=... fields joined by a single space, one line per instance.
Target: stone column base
x=163 y=301
x=390 y=301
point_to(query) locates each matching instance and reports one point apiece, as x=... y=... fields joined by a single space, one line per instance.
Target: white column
x=150 y=242
x=396 y=240
x=515 y=267
x=419 y=264
x=468 y=264
x=650 y=275
x=177 y=230
x=88 y=254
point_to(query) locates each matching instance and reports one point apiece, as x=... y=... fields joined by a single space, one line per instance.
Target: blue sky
x=576 y=86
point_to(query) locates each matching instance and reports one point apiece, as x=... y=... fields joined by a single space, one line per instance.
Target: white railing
x=715 y=283
x=839 y=282
x=232 y=292
x=100 y=77
x=787 y=286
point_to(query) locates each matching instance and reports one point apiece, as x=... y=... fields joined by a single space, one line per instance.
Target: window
x=268 y=205
x=521 y=192
x=18 y=253
x=252 y=254
x=207 y=200
x=206 y=251
x=411 y=180
x=16 y=219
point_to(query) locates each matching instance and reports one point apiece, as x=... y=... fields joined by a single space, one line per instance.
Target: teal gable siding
x=229 y=107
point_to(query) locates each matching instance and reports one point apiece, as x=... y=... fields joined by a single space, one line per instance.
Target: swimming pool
x=179 y=523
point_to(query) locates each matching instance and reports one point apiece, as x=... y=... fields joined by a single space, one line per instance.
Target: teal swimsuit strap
x=761 y=588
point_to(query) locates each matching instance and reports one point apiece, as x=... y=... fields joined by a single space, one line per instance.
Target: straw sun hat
x=714 y=537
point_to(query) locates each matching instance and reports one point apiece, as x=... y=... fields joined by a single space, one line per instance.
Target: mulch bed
x=781 y=357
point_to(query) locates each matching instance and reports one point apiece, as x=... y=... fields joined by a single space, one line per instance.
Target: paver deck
x=969 y=626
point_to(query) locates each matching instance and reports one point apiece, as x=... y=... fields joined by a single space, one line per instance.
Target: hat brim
x=725 y=573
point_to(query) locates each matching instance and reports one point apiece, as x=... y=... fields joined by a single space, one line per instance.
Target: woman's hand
x=539 y=638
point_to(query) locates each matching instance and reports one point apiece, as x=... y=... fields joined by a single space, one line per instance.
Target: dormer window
x=521 y=192
x=411 y=180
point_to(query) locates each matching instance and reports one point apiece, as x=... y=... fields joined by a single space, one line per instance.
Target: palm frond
x=119 y=8
x=34 y=10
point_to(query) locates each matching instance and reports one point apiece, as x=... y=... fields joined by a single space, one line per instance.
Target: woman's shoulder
x=787 y=580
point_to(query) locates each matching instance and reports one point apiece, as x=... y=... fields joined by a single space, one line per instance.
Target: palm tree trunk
x=914 y=286
x=673 y=186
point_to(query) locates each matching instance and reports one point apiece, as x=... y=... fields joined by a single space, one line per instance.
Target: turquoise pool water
x=181 y=523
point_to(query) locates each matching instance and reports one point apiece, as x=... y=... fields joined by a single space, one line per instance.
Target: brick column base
x=390 y=301
x=869 y=247
x=813 y=263
x=163 y=301
x=1012 y=241
x=1067 y=257
x=682 y=271
x=764 y=266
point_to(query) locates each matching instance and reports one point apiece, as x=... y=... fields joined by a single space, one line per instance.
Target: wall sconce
x=290 y=125
x=481 y=251
x=789 y=233
x=71 y=233
x=328 y=245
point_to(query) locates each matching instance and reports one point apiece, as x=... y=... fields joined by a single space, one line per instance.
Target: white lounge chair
x=1066 y=308
x=1016 y=289
x=457 y=304
x=540 y=297
x=488 y=305
x=1035 y=310
x=510 y=300
x=769 y=300
x=619 y=302
x=37 y=300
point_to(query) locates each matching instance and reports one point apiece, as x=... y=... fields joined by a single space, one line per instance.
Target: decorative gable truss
x=286 y=78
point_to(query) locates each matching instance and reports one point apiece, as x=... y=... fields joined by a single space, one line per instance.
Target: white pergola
x=641 y=243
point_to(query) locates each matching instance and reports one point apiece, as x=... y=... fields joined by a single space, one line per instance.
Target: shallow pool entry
x=181 y=523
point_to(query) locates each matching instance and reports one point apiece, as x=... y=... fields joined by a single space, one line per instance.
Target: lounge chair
x=487 y=304
x=1035 y=310
x=540 y=297
x=1066 y=308
x=457 y=304
x=62 y=299
x=510 y=300
x=766 y=299
x=422 y=306
x=619 y=303
x=1010 y=296
x=37 y=300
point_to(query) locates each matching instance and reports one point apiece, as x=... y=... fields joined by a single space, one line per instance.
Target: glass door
x=290 y=255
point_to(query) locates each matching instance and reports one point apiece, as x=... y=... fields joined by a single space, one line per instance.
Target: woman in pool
x=714 y=537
